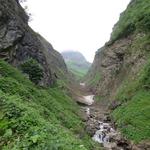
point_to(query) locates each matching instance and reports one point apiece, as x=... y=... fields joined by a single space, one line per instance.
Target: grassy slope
x=136 y=17
x=95 y=79
x=79 y=72
x=36 y=118
x=133 y=116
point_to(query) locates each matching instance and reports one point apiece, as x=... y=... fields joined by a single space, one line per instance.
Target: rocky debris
x=91 y=126
x=100 y=128
x=107 y=119
x=112 y=63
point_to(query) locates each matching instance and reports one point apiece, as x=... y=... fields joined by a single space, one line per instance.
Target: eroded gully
x=99 y=125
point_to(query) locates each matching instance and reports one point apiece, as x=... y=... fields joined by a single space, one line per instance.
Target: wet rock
x=113 y=136
x=100 y=128
x=123 y=144
x=92 y=116
x=92 y=126
x=91 y=130
x=107 y=119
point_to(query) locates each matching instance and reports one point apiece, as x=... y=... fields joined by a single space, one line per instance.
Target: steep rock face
x=120 y=74
x=114 y=63
x=18 y=42
x=123 y=56
x=54 y=59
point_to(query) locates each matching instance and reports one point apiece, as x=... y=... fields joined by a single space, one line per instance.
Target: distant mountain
x=76 y=63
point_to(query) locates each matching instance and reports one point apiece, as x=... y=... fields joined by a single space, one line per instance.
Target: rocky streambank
x=100 y=127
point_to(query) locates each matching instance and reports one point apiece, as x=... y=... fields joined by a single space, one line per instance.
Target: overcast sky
x=82 y=25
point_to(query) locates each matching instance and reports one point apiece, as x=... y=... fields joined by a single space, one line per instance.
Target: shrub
x=33 y=69
x=134 y=19
x=144 y=22
x=130 y=28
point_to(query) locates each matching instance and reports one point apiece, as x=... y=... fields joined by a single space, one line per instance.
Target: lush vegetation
x=35 y=118
x=79 y=70
x=95 y=79
x=133 y=116
x=33 y=69
x=135 y=18
x=76 y=63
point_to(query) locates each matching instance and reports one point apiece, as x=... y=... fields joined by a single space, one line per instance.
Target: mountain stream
x=100 y=128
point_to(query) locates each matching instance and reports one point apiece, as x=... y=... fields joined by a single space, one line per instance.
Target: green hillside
x=35 y=118
x=76 y=63
x=135 y=18
x=133 y=116
x=76 y=69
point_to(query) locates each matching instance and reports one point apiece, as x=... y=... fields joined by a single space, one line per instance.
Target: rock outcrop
x=124 y=55
x=114 y=63
x=18 y=42
x=120 y=74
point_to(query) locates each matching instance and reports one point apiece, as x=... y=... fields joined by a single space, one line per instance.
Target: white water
x=105 y=132
x=104 y=135
x=87 y=111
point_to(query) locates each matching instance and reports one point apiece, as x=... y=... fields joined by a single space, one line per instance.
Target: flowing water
x=104 y=133
x=99 y=126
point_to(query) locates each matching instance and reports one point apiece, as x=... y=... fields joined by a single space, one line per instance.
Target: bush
x=33 y=69
x=36 y=118
x=144 y=22
x=134 y=19
x=132 y=117
x=130 y=28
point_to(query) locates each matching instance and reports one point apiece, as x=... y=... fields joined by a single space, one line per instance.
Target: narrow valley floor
x=98 y=122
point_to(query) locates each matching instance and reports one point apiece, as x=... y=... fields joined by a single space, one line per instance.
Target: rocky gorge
x=99 y=124
x=119 y=76
x=42 y=105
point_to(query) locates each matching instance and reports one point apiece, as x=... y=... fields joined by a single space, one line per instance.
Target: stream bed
x=101 y=129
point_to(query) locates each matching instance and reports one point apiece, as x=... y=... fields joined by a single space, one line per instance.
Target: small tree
x=33 y=69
